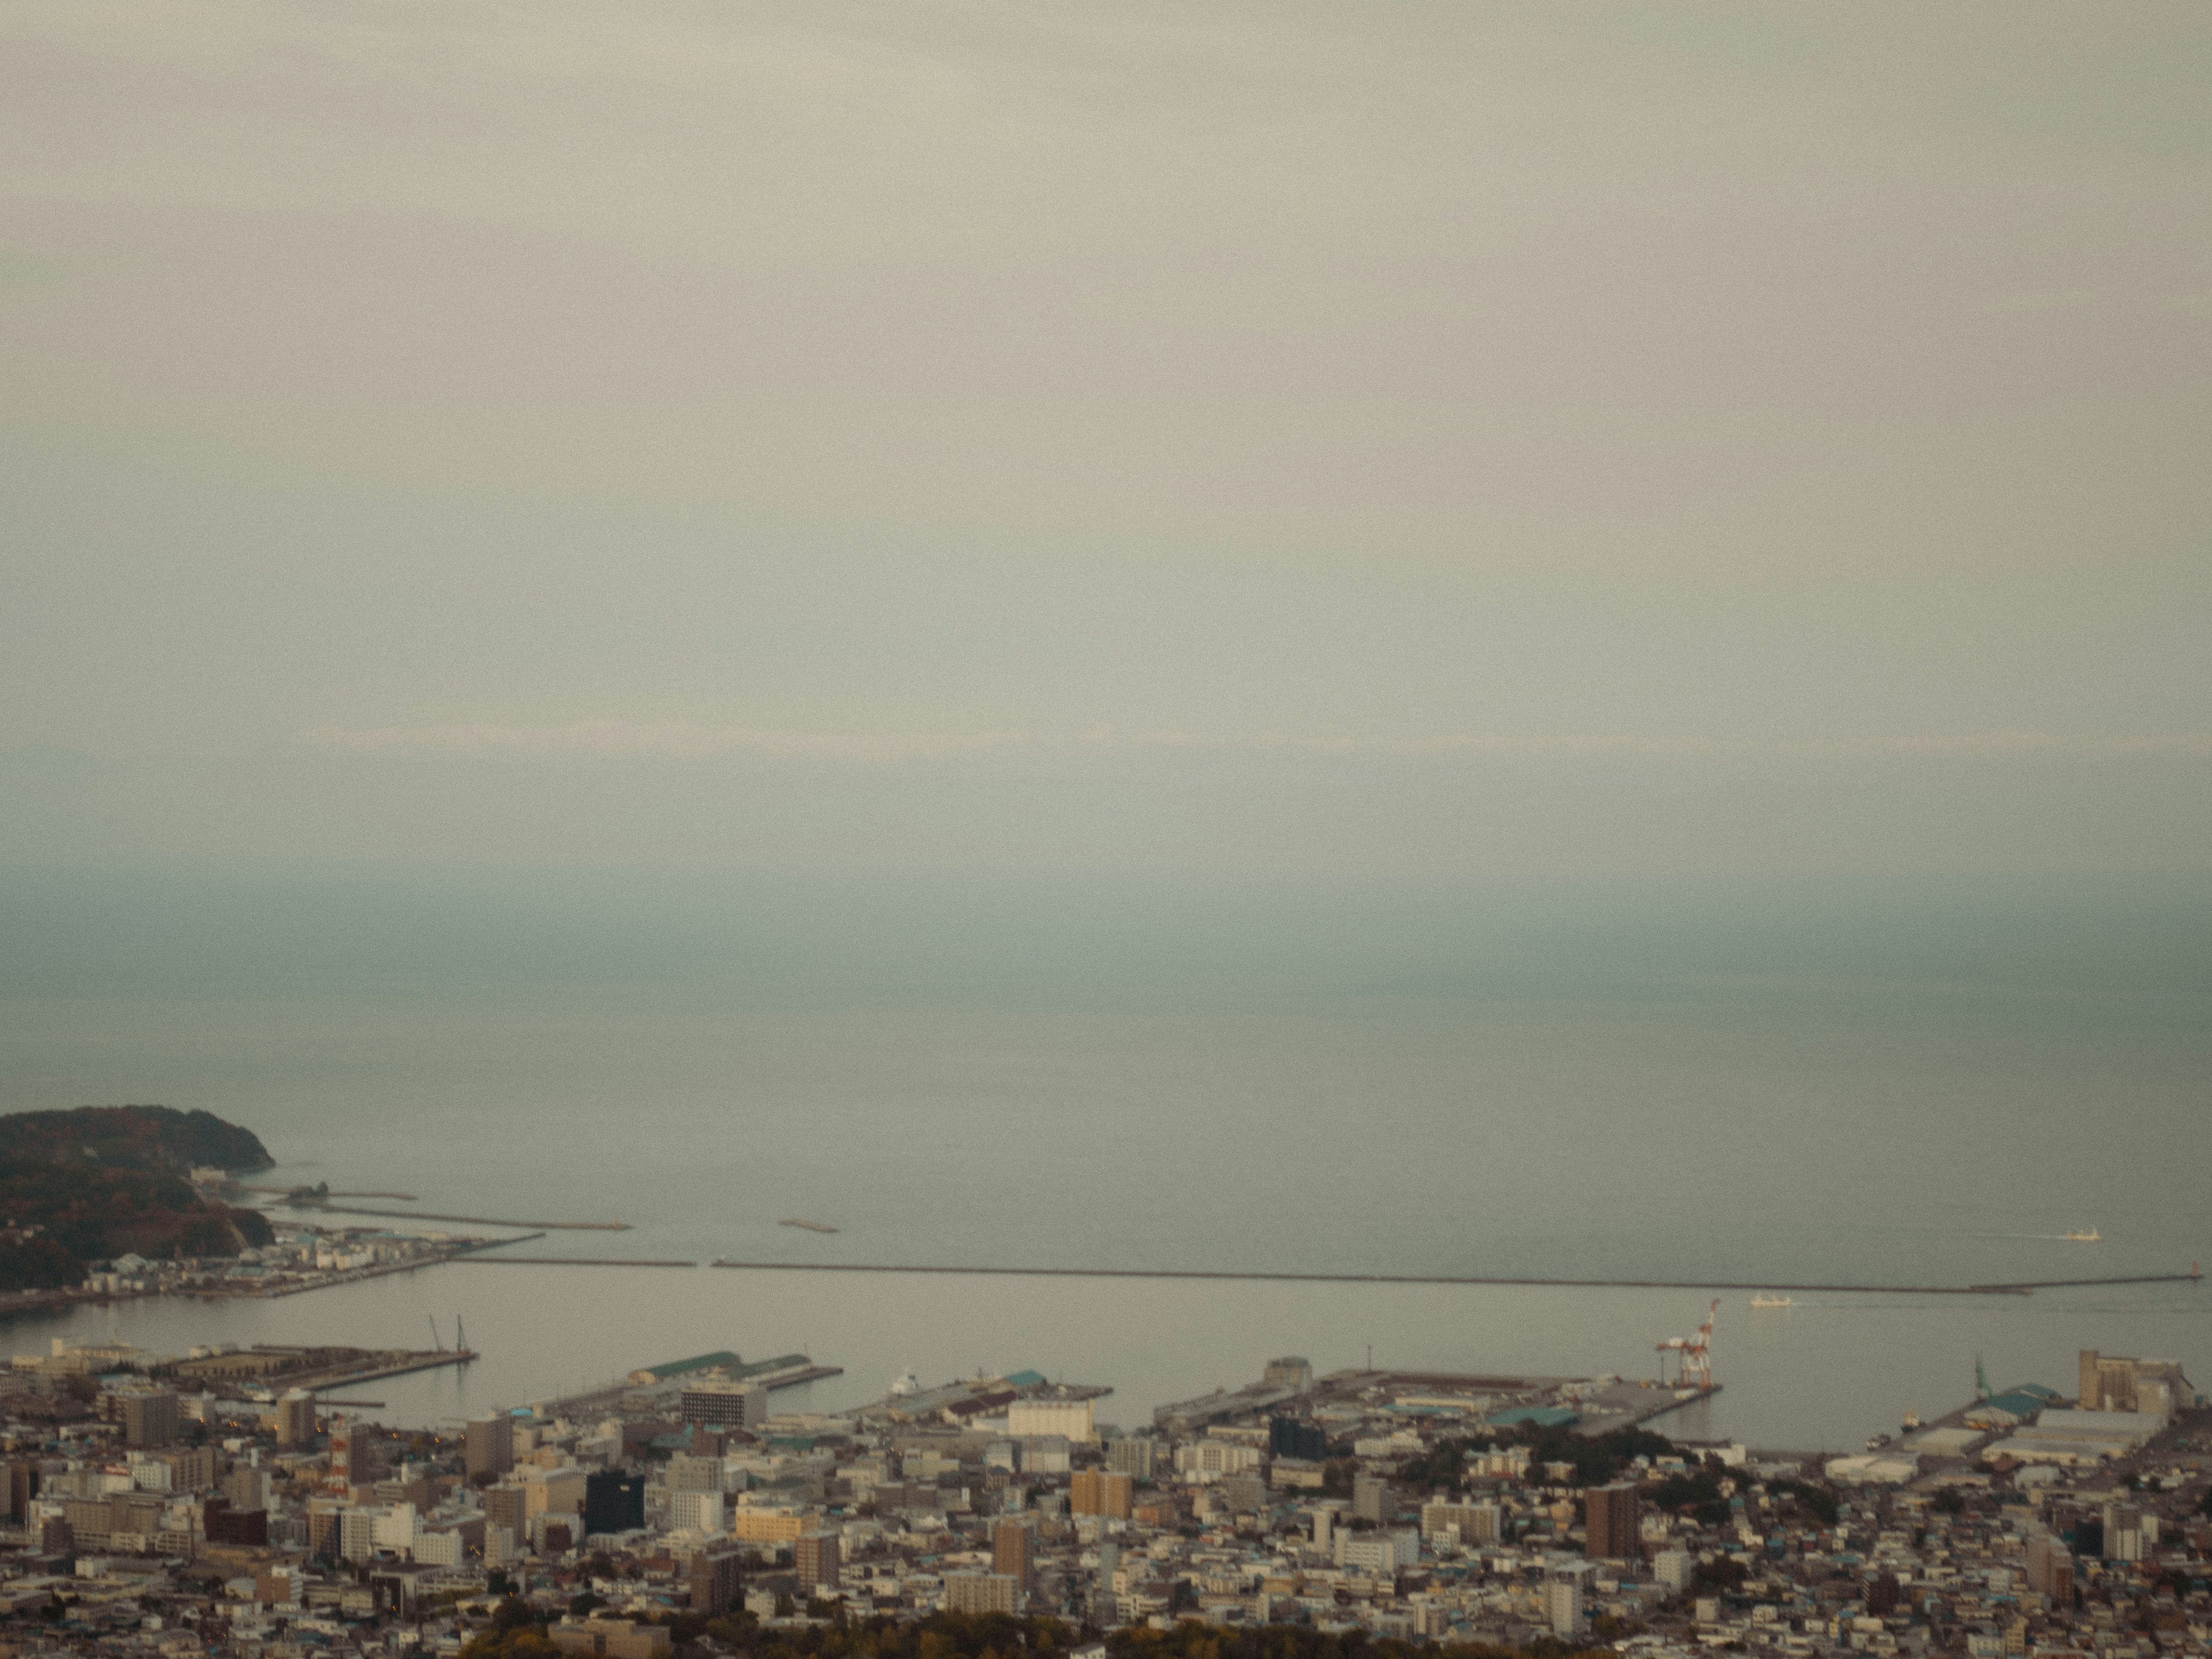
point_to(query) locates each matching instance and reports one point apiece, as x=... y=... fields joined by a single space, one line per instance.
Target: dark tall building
x=295 y=1418
x=715 y=1581
x=815 y=1554
x=504 y=1506
x=489 y=1448
x=613 y=1502
x=1613 y=1525
x=1010 y=1550
x=150 y=1419
x=1883 y=1595
x=22 y=1486
x=1288 y=1436
x=226 y=1525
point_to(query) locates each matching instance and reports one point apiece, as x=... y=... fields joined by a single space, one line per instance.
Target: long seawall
x=2021 y=1288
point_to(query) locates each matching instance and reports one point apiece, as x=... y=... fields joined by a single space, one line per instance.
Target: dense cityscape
x=210 y=1502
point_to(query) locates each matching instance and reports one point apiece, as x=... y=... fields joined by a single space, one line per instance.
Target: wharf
x=355 y=1368
x=787 y=1371
x=403 y=1365
x=1601 y=1406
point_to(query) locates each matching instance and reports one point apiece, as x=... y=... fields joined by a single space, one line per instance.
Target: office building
x=20 y=1476
x=2051 y=1570
x=225 y=1525
x=1010 y=1550
x=981 y=1592
x=2129 y=1535
x=246 y=1488
x=356 y=1533
x=1613 y=1522
x=349 y=1464
x=1101 y=1491
x=509 y=1506
x=1289 y=1437
x=757 y=1524
x=613 y=1502
x=295 y=1416
x=1370 y=1496
x=1382 y=1554
x=1134 y=1457
x=1566 y=1598
x=191 y=1471
x=688 y=1474
x=719 y=1403
x=489 y=1447
x=551 y=1491
x=715 y=1581
x=1472 y=1524
x=695 y=1511
x=815 y=1560
x=150 y=1418
x=1673 y=1570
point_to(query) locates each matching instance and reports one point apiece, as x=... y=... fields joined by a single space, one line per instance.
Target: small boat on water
x=1772 y=1302
x=811 y=1226
x=2079 y=1236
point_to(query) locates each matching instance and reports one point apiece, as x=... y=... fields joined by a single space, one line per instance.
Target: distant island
x=95 y=1183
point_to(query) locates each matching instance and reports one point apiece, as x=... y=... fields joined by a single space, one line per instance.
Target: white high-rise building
x=1566 y=1597
x=695 y=1511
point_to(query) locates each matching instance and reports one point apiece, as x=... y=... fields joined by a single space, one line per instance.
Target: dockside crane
x=1696 y=1353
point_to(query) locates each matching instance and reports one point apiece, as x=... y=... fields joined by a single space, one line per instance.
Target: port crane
x=1696 y=1354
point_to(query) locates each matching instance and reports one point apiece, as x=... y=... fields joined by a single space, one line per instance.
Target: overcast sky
x=1415 y=440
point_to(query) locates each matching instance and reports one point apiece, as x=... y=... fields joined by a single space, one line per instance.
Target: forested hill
x=92 y=1184
x=135 y=1138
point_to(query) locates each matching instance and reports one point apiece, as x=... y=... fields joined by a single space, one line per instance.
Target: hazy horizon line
x=686 y=740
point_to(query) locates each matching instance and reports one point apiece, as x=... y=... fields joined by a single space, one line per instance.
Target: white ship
x=2078 y=1236
x=1772 y=1302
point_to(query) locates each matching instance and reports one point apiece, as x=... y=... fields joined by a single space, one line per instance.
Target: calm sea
x=1929 y=1084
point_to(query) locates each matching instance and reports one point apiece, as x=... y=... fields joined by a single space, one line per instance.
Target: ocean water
x=1926 y=1085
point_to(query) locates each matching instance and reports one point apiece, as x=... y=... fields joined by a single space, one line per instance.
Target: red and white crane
x=1696 y=1353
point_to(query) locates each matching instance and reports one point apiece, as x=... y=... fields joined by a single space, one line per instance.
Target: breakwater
x=566 y=1262
x=471 y=1220
x=2022 y=1288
